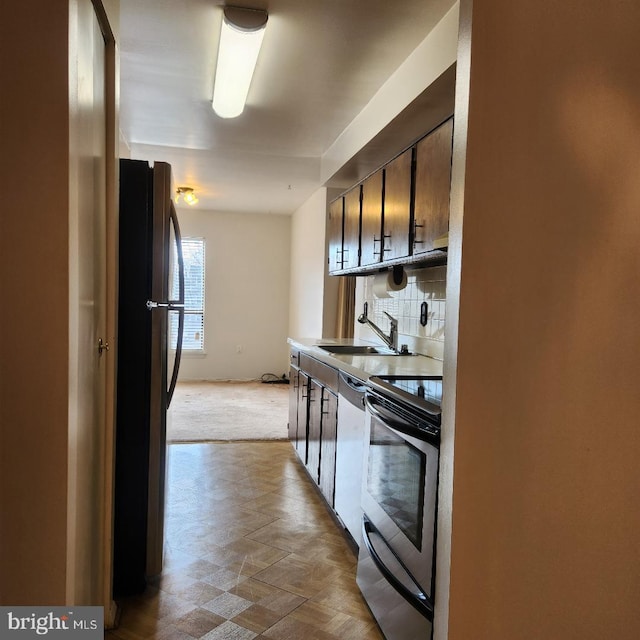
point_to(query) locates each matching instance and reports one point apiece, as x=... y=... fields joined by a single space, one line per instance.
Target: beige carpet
x=221 y=411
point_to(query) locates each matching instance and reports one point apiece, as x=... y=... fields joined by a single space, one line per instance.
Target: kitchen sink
x=357 y=350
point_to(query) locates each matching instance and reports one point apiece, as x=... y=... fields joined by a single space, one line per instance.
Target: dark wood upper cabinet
x=397 y=206
x=336 y=212
x=432 y=187
x=399 y=214
x=351 y=238
x=371 y=234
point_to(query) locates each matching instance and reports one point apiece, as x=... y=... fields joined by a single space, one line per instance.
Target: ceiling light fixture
x=188 y=195
x=240 y=41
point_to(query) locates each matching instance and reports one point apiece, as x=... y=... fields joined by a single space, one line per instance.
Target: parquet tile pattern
x=250 y=552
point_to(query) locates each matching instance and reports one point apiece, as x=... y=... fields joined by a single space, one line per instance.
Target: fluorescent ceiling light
x=240 y=41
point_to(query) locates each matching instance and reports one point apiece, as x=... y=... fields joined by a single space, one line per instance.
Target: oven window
x=395 y=480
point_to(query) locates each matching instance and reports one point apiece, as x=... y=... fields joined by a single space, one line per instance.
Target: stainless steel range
x=399 y=496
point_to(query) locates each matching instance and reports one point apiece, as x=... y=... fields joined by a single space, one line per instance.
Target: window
x=193 y=252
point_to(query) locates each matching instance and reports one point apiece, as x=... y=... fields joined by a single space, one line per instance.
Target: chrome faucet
x=390 y=340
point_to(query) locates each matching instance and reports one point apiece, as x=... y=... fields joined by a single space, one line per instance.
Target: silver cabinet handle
x=417 y=226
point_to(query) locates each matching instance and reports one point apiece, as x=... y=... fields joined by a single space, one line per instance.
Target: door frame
x=111 y=72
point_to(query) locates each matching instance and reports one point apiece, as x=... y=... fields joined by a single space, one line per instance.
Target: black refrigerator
x=150 y=325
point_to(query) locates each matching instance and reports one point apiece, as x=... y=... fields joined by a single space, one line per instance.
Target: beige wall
x=545 y=239
x=33 y=339
x=246 y=296
x=36 y=264
x=430 y=59
x=312 y=293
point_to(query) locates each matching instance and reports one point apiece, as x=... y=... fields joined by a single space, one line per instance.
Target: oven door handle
x=418 y=599
x=395 y=422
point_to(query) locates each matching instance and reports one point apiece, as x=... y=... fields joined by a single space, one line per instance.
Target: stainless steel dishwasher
x=350 y=454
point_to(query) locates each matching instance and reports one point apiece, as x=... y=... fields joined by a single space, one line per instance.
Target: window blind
x=194 y=277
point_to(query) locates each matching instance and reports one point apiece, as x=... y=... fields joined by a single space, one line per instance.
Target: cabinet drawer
x=326 y=375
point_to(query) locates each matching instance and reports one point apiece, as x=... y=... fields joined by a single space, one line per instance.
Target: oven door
x=399 y=491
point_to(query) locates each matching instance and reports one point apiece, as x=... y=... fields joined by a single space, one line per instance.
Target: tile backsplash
x=423 y=285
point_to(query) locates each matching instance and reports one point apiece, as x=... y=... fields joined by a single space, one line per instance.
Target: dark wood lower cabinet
x=313 y=421
x=294 y=386
x=314 y=430
x=294 y=379
x=328 y=436
x=298 y=411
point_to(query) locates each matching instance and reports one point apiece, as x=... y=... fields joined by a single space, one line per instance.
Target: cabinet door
x=314 y=429
x=328 y=445
x=294 y=382
x=336 y=211
x=371 y=234
x=303 y=416
x=433 y=186
x=351 y=241
x=397 y=206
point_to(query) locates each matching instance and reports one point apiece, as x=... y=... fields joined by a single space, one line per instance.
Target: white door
x=87 y=307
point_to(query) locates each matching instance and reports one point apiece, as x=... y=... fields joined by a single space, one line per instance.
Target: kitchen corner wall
x=246 y=294
x=539 y=473
x=423 y=285
x=313 y=293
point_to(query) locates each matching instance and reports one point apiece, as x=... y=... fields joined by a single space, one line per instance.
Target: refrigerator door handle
x=177 y=305
x=171 y=305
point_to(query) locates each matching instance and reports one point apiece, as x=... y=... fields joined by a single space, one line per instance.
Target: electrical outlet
x=239 y=348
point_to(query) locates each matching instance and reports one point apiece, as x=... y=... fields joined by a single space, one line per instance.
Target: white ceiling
x=321 y=63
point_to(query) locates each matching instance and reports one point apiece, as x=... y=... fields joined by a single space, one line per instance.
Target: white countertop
x=365 y=366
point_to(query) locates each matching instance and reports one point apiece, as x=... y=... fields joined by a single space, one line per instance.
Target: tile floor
x=251 y=552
